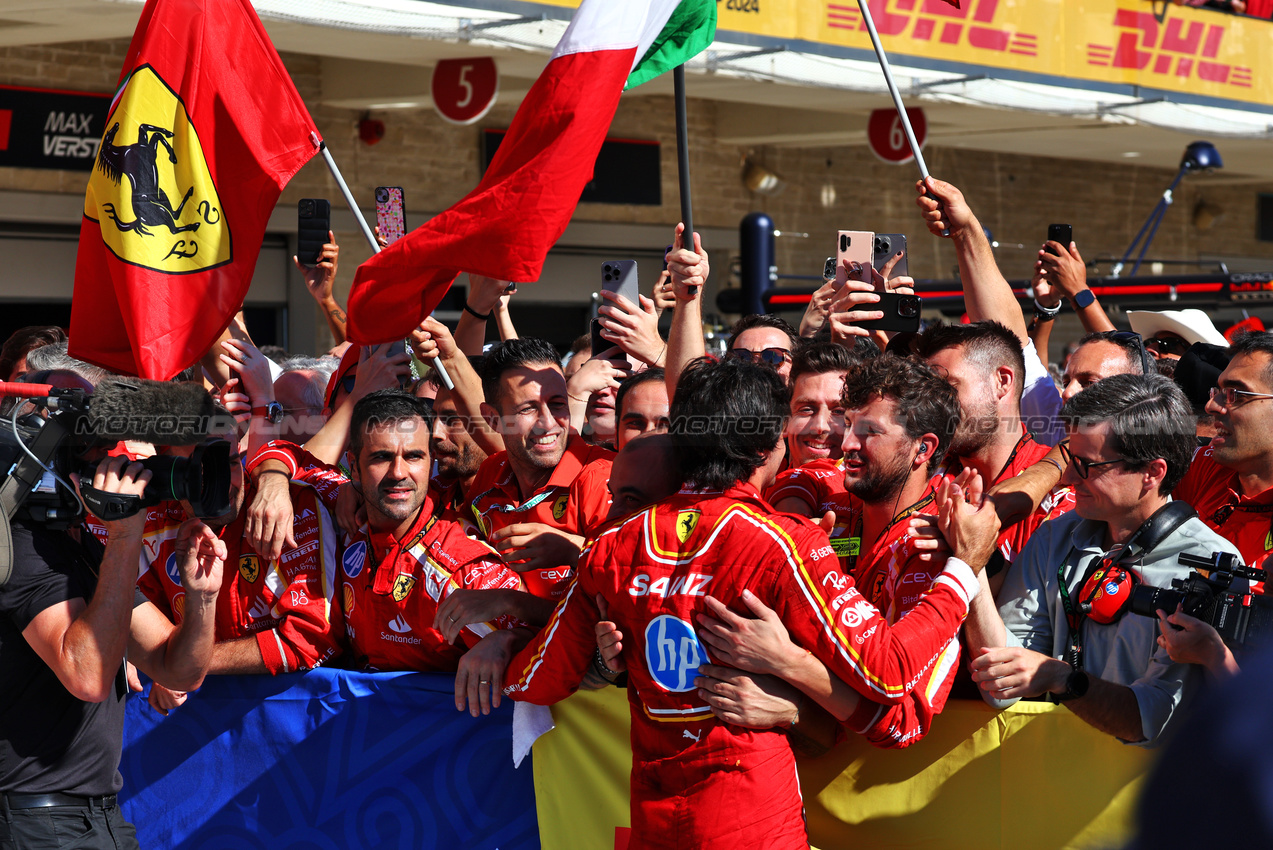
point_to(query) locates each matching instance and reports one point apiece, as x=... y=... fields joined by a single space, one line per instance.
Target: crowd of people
x=829 y=531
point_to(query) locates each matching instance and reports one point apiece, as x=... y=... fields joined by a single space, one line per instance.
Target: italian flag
x=505 y=227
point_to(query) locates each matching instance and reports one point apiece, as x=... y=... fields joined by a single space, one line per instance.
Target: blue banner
x=327 y=759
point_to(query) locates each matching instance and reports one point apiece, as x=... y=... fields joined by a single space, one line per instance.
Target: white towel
x=529 y=722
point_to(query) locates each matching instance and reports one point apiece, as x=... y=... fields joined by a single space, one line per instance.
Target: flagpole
x=897 y=96
x=683 y=157
x=366 y=232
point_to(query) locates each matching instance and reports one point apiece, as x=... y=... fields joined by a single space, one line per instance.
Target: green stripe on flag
x=687 y=33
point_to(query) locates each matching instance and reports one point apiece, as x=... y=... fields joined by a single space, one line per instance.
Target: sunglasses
x=1082 y=466
x=774 y=357
x=1147 y=364
x=1167 y=345
x=1228 y=396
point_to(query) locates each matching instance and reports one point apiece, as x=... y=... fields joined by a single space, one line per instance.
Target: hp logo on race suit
x=170 y=567
x=673 y=653
x=355 y=557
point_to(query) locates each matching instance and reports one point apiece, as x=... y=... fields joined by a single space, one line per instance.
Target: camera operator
x=69 y=614
x=1130 y=438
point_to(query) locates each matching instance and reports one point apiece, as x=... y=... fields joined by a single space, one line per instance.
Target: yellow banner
x=1192 y=51
x=1031 y=776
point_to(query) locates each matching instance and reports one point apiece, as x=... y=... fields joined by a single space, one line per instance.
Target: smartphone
x=901 y=313
x=856 y=246
x=828 y=269
x=887 y=245
x=390 y=215
x=620 y=277
x=313 y=223
x=1062 y=234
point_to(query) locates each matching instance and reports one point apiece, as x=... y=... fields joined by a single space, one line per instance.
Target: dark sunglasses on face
x=774 y=357
x=1147 y=364
x=1082 y=466
x=1167 y=345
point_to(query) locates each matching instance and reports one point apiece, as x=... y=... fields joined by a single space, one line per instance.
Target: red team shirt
x=589 y=502
x=391 y=589
x=697 y=781
x=496 y=503
x=285 y=604
x=1215 y=494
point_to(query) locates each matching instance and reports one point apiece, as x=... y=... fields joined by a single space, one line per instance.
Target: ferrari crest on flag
x=151 y=187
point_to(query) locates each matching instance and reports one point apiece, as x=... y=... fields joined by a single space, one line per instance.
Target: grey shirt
x=1124 y=652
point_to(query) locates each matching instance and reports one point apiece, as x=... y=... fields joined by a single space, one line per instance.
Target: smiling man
x=520 y=497
x=1129 y=442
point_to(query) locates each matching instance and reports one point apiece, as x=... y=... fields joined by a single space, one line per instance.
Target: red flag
x=503 y=228
x=205 y=131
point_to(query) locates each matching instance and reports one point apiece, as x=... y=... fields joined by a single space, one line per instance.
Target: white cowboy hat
x=1192 y=325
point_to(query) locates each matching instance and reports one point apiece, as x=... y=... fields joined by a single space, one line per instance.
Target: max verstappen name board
x=44 y=128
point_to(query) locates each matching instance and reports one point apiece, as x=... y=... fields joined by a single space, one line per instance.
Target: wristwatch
x=1084 y=298
x=272 y=412
x=1075 y=686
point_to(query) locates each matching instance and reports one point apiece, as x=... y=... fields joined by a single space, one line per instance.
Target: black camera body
x=1216 y=591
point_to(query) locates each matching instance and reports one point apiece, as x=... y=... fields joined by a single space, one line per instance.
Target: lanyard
x=855 y=541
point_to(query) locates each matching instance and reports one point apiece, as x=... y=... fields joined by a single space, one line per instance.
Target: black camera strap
x=1152 y=532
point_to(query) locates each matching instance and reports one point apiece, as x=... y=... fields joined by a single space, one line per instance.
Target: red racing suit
x=892 y=577
x=696 y=781
x=496 y=503
x=814 y=484
x=391 y=589
x=286 y=604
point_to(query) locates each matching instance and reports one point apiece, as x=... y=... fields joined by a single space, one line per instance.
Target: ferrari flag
x=203 y=133
x=505 y=227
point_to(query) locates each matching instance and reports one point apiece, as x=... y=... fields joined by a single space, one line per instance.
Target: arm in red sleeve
x=552 y=666
x=304 y=467
x=307 y=634
x=848 y=634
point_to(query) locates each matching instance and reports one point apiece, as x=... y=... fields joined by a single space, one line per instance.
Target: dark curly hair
x=924 y=400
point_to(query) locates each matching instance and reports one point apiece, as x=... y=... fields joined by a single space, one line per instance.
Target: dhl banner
x=332 y=758
x=1062 y=42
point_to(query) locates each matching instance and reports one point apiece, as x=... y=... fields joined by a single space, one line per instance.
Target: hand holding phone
x=854 y=248
x=390 y=213
x=1061 y=234
x=313 y=223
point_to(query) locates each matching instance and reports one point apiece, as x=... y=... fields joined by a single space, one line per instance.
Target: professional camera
x=1220 y=595
x=41 y=447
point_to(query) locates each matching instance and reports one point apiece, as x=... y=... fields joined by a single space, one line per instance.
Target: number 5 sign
x=464 y=89
x=888 y=139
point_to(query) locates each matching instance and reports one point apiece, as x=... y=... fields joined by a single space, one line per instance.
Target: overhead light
x=1201 y=156
x=760 y=180
x=1131 y=154
x=399 y=104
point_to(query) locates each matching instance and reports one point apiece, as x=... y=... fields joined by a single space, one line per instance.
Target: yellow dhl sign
x=1191 y=51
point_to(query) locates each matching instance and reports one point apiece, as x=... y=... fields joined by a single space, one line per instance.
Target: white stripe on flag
x=616 y=25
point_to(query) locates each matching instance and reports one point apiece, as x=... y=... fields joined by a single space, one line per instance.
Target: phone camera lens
x=908 y=308
x=382 y=196
x=307 y=208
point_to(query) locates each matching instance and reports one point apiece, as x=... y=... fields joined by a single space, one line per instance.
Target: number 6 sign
x=464 y=89
x=887 y=138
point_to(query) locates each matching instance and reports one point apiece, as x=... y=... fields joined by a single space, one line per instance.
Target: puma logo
x=688 y=734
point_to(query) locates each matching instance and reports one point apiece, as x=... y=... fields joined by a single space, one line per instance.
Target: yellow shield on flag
x=151 y=190
x=250 y=568
x=686 y=522
x=402 y=587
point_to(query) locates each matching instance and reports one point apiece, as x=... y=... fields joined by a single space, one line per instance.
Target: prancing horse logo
x=131 y=191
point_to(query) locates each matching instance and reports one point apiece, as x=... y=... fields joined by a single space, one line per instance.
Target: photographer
x=1130 y=438
x=69 y=614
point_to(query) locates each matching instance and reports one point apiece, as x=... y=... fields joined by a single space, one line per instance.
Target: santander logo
x=399 y=625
